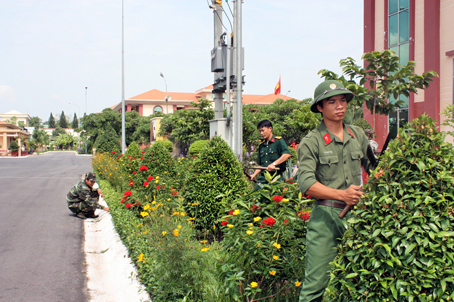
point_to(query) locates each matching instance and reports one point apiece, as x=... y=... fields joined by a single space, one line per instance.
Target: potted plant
x=13 y=147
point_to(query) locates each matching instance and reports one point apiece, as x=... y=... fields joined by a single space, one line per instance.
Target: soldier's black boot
x=91 y=214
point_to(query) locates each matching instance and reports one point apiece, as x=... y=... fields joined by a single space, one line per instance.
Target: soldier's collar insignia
x=327 y=138
x=272 y=140
x=350 y=132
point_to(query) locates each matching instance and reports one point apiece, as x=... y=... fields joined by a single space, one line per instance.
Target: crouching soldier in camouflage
x=83 y=197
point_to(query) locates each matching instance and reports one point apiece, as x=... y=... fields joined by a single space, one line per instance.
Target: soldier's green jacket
x=81 y=192
x=324 y=158
x=270 y=152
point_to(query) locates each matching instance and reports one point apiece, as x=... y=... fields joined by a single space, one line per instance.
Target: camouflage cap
x=90 y=176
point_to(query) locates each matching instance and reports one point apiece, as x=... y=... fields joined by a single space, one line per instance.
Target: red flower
x=174 y=193
x=128 y=205
x=143 y=152
x=143 y=168
x=254 y=208
x=231 y=212
x=118 y=157
x=123 y=199
x=224 y=222
x=128 y=193
x=150 y=178
x=121 y=155
x=129 y=165
x=305 y=215
x=137 y=204
x=145 y=183
x=290 y=181
x=113 y=152
x=129 y=156
x=131 y=183
x=158 y=187
x=141 y=157
x=171 y=188
x=134 y=172
x=277 y=198
x=286 y=222
x=269 y=221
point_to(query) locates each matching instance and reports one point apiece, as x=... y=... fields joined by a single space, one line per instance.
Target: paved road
x=41 y=243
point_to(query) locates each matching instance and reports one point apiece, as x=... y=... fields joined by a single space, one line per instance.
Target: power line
x=228 y=18
x=226 y=1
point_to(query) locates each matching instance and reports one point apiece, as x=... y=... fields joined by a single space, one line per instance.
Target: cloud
x=7 y=94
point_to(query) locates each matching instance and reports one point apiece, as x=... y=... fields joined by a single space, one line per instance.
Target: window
x=157 y=109
x=399 y=43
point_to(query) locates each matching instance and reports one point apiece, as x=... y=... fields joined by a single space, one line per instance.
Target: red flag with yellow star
x=277 y=89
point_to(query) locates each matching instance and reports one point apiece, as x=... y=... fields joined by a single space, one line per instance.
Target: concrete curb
x=110 y=272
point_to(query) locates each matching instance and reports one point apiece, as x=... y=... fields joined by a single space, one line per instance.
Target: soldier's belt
x=329 y=203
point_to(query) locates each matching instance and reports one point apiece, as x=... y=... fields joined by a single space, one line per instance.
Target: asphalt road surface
x=41 y=243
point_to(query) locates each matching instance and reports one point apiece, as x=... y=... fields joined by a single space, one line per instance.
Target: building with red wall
x=420 y=31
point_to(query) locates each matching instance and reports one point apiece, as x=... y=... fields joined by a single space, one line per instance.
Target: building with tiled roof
x=153 y=101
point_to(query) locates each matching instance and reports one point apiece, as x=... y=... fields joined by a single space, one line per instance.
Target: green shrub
x=159 y=161
x=264 y=236
x=133 y=150
x=400 y=243
x=13 y=146
x=294 y=157
x=168 y=144
x=215 y=173
x=108 y=141
x=197 y=147
x=362 y=123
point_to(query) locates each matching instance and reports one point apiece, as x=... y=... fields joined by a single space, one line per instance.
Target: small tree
x=51 y=122
x=13 y=146
x=35 y=121
x=108 y=141
x=12 y=120
x=63 y=122
x=75 y=123
x=381 y=79
x=57 y=131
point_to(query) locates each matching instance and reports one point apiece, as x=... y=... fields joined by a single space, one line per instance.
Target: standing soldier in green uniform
x=330 y=158
x=272 y=153
x=83 y=197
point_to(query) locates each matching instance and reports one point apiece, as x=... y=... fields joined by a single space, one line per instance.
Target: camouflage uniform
x=83 y=199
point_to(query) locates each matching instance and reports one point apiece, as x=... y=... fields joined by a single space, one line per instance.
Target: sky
x=50 y=50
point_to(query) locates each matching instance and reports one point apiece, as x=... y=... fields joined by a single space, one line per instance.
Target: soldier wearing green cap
x=83 y=197
x=330 y=160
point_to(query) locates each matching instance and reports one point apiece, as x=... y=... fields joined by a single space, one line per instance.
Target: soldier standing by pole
x=330 y=158
x=272 y=153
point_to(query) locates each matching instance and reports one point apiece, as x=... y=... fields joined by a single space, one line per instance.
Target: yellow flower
x=178 y=173
x=175 y=233
x=285 y=200
x=156 y=181
x=183 y=214
x=203 y=241
x=189 y=219
x=204 y=249
x=249 y=232
x=144 y=214
x=157 y=177
x=147 y=231
x=154 y=202
x=179 y=226
x=195 y=203
x=277 y=245
x=141 y=257
x=275 y=257
x=272 y=273
x=168 y=199
x=164 y=233
x=146 y=207
x=250 y=224
x=297 y=283
x=175 y=213
x=236 y=212
x=230 y=225
x=254 y=284
x=257 y=219
x=140 y=224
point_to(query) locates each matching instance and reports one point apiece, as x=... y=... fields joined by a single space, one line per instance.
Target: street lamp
x=167 y=97
x=287 y=93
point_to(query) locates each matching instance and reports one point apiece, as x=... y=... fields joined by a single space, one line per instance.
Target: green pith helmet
x=328 y=89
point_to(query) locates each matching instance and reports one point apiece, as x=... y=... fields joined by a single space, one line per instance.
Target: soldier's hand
x=99 y=192
x=251 y=177
x=107 y=209
x=352 y=194
x=271 y=167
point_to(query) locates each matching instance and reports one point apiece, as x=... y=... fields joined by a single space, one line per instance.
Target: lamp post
x=167 y=98
x=287 y=93
x=86 y=115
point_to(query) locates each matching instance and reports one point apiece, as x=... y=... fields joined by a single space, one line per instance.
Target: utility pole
x=123 y=127
x=238 y=71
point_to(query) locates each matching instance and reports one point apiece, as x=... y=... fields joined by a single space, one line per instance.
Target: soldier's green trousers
x=324 y=231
